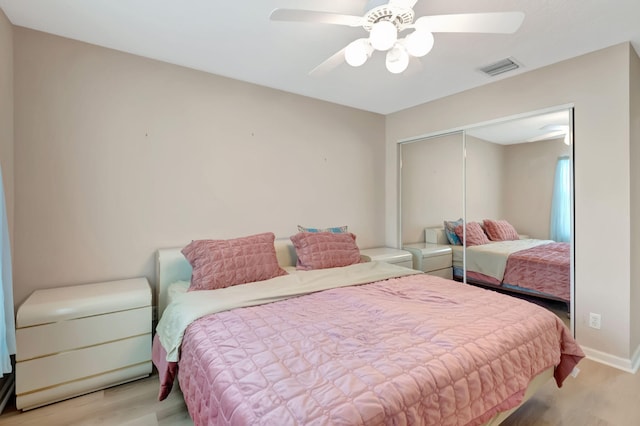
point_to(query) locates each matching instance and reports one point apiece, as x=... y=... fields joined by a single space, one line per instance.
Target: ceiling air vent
x=500 y=67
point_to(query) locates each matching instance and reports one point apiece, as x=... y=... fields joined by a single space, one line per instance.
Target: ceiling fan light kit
x=383 y=35
x=357 y=52
x=397 y=59
x=419 y=43
x=385 y=23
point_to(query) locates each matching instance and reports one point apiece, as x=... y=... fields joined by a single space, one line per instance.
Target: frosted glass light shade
x=383 y=35
x=357 y=52
x=397 y=59
x=419 y=43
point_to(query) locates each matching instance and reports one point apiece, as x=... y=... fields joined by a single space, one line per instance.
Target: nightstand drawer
x=388 y=255
x=444 y=273
x=429 y=257
x=436 y=262
x=48 y=339
x=50 y=371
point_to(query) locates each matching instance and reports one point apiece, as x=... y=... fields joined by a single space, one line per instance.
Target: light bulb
x=357 y=52
x=383 y=35
x=419 y=43
x=397 y=59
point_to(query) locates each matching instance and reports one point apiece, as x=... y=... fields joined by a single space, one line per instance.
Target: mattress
x=414 y=349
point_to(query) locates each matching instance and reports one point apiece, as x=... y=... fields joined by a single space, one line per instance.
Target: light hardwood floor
x=131 y=404
x=599 y=396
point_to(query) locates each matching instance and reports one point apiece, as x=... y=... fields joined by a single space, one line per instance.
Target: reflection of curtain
x=561 y=202
x=7 y=323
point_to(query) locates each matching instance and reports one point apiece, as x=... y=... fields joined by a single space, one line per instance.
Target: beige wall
x=634 y=158
x=117 y=155
x=6 y=114
x=598 y=85
x=529 y=173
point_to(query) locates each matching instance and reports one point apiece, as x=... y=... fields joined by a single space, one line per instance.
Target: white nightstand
x=75 y=340
x=389 y=255
x=434 y=259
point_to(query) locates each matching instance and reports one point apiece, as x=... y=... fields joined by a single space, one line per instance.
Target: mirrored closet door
x=432 y=188
x=514 y=176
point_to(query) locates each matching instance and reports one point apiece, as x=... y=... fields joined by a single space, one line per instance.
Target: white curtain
x=561 y=203
x=7 y=322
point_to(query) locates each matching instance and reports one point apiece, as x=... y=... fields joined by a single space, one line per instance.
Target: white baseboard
x=629 y=365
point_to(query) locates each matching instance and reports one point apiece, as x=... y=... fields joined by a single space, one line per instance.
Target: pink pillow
x=500 y=230
x=325 y=250
x=223 y=263
x=475 y=234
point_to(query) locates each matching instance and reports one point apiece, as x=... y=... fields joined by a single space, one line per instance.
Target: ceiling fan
x=387 y=19
x=553 y=131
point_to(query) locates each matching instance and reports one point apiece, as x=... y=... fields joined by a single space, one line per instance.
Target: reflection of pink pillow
x=500 y=230
x=475 y=234
x=325 y=250
x=223 y=263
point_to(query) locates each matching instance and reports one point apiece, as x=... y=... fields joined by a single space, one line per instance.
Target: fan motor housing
x=397 y=16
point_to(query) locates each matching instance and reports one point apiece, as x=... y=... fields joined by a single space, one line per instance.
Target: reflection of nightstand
x=389 y=255
x=434 y=259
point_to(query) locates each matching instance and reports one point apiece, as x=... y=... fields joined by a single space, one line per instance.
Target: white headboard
x=171 y=266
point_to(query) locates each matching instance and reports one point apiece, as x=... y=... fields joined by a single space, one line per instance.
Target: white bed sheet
x=193 y=305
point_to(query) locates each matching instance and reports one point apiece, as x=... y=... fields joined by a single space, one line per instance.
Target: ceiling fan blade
x=299 y=15
x=329 y=64
x=558 y=134
x=497 y=22
x=556 y=128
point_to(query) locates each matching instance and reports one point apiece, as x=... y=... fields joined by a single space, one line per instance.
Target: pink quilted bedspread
x=544 y=268
x=412 y=350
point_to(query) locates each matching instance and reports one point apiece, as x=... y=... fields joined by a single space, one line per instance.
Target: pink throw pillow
x=325 y=250
x=223 y=263
x=500 y=230
x=475 y=234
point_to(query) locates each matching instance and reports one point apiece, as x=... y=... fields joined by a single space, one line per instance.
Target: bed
x=365 y=343
x=528 y=266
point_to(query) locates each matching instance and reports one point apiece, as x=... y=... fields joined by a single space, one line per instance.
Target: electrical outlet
x=595 y=320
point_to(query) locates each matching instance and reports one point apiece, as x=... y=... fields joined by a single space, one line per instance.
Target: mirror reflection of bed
x=516 y=171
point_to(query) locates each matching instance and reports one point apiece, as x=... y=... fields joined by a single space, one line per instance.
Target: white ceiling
x=523 y=129
x=236 y=39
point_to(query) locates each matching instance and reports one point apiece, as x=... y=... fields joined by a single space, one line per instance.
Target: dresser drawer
x=49 y=339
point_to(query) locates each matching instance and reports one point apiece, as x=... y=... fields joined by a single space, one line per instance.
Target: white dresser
x=389 y=255
x=434 y=259
x=75 y=340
